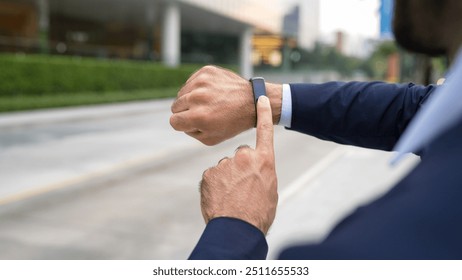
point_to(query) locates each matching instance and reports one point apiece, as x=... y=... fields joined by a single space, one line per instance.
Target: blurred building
x=302 y=23
x=267 y=50
x=386 y=17
x=309 y=23
x=351 y=45
x=291 y=23
x=274 y=50
x=171 y=31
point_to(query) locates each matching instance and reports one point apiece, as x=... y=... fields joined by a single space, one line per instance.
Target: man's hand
x=215 y=104
x=245 y=186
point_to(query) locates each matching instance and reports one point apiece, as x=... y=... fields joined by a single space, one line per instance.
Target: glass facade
x=211 y=30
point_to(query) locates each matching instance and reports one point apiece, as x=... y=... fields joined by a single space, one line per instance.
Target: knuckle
x=209 y=68
x=174 y=122
x=209 y=141
x=223 y=160
x=174 y=105
x=201 y=81
x=199 y=97
x=243 y=157
x=243 y=150
x=206 y=175
x=180 y=104
x=206 y=73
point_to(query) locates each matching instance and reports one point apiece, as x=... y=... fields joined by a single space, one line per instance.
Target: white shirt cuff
x=286 y=110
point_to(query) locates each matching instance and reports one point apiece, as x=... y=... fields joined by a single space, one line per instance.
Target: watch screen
x=258 y=88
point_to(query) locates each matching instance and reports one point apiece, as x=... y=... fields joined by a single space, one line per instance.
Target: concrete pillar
x=245 y=53
x=171 y=35
x=44 y=24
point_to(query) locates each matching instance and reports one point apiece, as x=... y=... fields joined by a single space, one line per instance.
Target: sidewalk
x=315 y=202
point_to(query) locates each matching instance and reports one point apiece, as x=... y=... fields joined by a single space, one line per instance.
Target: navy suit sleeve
x=365 y=114
x=230 y=239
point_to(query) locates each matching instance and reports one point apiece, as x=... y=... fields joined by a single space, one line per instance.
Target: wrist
x=248 y=105
x=274 y=93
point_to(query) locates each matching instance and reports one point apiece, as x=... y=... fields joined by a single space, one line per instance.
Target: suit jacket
x=420 y=218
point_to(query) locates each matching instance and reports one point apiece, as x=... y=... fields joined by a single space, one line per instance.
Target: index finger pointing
x=264 y=126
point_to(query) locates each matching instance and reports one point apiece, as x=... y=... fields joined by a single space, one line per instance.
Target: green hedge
x=37 y=75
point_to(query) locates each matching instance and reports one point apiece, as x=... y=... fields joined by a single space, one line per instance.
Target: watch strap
x=258 y=89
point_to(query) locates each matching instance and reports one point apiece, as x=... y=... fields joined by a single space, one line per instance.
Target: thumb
x=264 y=126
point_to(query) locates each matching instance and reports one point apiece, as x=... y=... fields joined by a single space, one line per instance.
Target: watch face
x=258 y=87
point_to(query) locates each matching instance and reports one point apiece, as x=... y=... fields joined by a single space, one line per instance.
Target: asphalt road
x=116 y=182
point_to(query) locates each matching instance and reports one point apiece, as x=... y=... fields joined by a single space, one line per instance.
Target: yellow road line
x=36 y=191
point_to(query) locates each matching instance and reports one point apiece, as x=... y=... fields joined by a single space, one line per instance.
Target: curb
x=77 y=114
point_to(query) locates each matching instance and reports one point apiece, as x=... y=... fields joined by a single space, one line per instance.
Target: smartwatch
x=258 y=88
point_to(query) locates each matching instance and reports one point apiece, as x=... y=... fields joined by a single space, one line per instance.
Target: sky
x=355 y=17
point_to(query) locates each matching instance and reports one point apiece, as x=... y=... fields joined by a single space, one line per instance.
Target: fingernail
x=263 y=99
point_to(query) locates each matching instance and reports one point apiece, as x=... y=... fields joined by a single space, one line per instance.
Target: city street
x=117 y=182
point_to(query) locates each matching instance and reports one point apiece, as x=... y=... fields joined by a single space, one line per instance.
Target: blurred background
x=91 y=169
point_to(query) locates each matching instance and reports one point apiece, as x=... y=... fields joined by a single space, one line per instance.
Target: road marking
x=301 y=182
